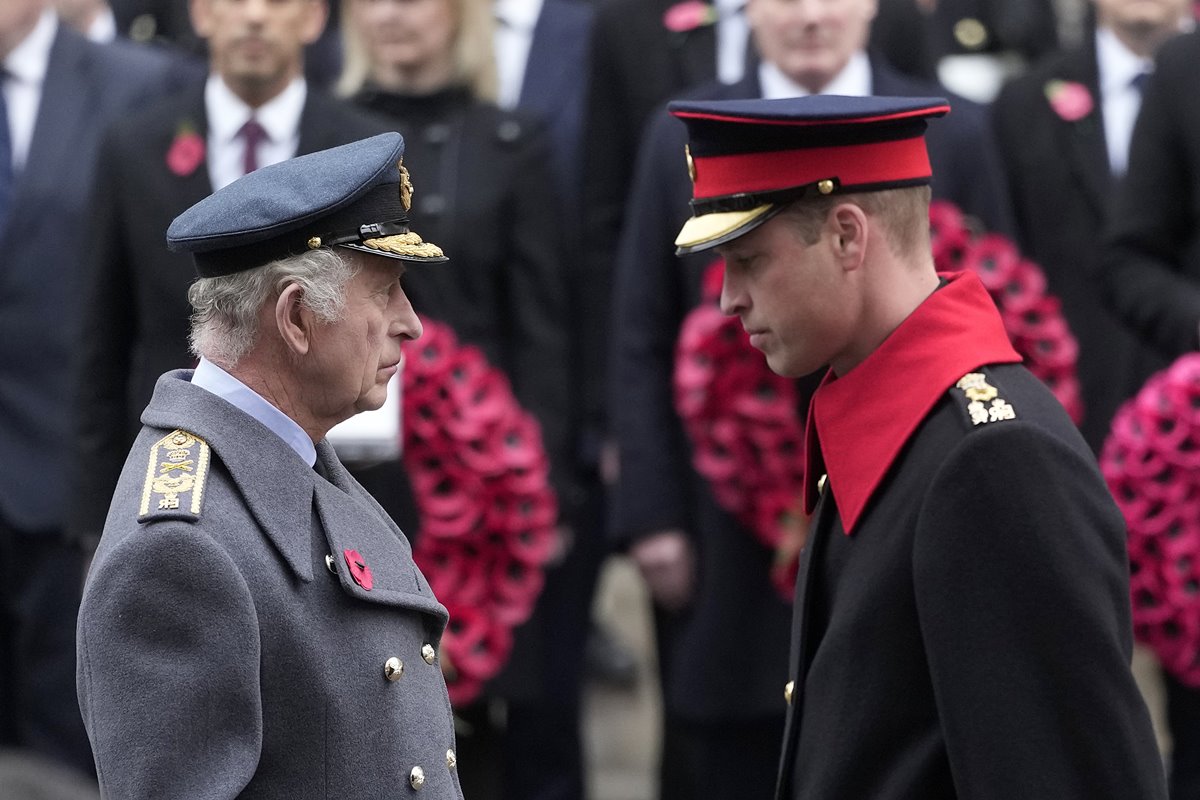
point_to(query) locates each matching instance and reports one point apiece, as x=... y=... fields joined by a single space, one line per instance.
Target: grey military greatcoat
x=252 y=629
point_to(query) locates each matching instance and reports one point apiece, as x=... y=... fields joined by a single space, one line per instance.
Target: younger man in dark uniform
x=962 y=623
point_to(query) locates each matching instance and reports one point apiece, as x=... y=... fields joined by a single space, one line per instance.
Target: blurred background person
x=1150 y=273
x=488 y=197
x=57 y=91
x=254 y=108
x=977 y=44
x=722 y=626
x=168 y=23
x=93 y=18
x=1063 y=131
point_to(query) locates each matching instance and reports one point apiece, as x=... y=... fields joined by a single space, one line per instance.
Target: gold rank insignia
x=175 y=477
x=979 y=392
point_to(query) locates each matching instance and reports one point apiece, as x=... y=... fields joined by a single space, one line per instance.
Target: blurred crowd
x=547 y=169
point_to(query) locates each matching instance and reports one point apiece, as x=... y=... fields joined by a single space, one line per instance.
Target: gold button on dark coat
x=971 y=33
x=393 y=668
x=417 y=777
x=428 y=653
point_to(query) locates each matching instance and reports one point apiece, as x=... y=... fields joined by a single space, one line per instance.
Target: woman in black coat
x=484 y=186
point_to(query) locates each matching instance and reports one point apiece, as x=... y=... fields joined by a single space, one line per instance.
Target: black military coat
x=962 y=622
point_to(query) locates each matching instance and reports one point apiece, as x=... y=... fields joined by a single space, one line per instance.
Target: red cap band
x=901 y=162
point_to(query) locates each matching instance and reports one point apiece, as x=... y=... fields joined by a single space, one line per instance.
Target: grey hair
x=225 y=309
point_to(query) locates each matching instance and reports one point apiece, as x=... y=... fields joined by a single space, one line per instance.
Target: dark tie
x=1139 y=81
x=6 y=165
x=252 y=133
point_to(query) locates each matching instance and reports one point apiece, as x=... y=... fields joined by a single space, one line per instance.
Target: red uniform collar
x=858 y=423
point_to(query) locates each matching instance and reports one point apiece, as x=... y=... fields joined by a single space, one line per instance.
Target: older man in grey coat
x=254 y=625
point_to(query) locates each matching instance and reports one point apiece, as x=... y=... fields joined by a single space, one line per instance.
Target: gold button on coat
x=451 y=759
x=428 y=653
x=393 y=668
x=787 y=691
x=417 y=777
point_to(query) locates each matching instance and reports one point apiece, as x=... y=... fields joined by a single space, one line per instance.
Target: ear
x=848 y=228
x=293 y=320
x=315 y=21
x=201 y=24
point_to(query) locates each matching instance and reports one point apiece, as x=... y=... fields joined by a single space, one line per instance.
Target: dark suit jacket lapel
x=695 y=54
x=556 y=41
x=1083 y=143
x=319 y=123
x=67 y=100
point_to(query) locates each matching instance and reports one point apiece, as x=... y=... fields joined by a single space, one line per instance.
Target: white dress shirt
x=515 y=21
x=733 y=36
x=104 y=27
x=210 y=377
x=26 y=70
x=1120 y=100
x=853 y=81
x=227 y=113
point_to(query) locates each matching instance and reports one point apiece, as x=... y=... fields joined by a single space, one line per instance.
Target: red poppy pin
x=358 y=569
x=187 y=150
x=689 y=15
x=1070 y=100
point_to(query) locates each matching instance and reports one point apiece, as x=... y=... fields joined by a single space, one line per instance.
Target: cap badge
x=691 y=164
x=825 y=186
x=406 y=187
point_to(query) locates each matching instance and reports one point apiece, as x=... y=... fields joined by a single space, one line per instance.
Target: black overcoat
x=962 y=623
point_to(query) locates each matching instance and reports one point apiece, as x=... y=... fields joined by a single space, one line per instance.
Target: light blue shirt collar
x=210 y=377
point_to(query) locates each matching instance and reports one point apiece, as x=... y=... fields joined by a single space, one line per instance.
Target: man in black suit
x=706 y=572
x=1150 y=273
x=1063 y=131
x=153 y=166
x=57 y=91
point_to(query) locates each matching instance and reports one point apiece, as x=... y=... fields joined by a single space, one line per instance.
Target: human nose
x=407 y=324
x=255 y=10
x=733 y=297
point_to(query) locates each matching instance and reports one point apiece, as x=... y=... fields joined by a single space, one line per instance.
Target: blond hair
x=474 y=53
x=903 y=215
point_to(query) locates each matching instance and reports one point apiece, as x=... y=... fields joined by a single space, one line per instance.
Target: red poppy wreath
x=741 y=418
x=1151 y=461
x=480 y=476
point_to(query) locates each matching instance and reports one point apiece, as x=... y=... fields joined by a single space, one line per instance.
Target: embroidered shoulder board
x=175 y=478
x=983 y=401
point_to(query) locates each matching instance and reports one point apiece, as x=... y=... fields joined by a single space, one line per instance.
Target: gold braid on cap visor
x=405 y=244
